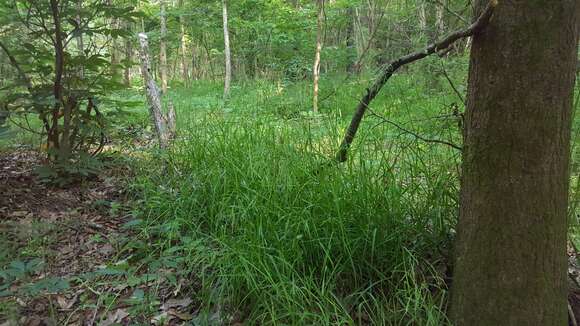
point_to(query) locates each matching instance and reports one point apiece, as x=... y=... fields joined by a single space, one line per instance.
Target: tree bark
x=227 y=52
x=316 y=67
x=163 y=48
x=510 y=255
x=163 y=130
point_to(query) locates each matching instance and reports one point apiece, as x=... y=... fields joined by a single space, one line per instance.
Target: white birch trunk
x=316 y=67
x=227 y=53
x=163 y=126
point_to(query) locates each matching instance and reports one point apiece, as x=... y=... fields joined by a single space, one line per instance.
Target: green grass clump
x=281 y=244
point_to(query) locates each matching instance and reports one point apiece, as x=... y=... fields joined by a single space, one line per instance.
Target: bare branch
x=390 y=69
x=412 y=133
x=457 y=92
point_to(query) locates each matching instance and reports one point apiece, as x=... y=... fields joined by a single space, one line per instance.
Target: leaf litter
x=62 y=263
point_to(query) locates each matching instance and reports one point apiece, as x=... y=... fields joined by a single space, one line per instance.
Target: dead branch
x=390 y=69
x=412 y=133
x=455 y=90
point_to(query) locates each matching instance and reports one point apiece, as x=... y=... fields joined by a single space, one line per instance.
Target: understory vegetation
x=249 y=207
x=249 y=197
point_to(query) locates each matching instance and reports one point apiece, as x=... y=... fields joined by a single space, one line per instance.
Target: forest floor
x=59 y=244
x=230 y=227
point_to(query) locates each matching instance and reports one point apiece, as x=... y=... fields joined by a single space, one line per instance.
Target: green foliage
x=239 y=199
x=62 y=70
x=64 y=172
x=19 y=274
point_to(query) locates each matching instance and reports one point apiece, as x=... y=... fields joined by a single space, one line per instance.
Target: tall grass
x=284 y=241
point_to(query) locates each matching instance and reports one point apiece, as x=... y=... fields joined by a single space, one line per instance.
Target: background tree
x=227 y=51
x=316 y=67
x=163 y=46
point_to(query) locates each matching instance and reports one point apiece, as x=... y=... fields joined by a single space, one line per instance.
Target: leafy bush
x=61 y=82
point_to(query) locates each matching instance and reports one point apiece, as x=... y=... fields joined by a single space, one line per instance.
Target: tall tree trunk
x=80 y=41
x=510 y=264
x=316 y=67
x=163 y=48
x=54 y=132
x=128 y=59
x=183 y=45
x=227 y=53
x=350 y=42
x=113 y=48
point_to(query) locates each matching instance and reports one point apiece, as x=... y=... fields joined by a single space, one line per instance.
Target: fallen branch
x=390 y=69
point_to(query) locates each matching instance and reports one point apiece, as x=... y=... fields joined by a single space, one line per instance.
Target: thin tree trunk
x=510 y=256
x=162 y=124
x=351 y=42
x=316 y=67
x=128 y=59
x=163 y=48
x=183 y=46
x=227 y=53
x=80 y=41
x=113 y=48
x=53 y=132
x=194 y=62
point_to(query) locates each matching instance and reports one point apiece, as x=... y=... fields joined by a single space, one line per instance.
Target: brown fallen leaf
x=65 y=304
x=19 y=214
x=107 y=249
x=176 y=303
x=114 y=317
x=181 y=315
x=161 y=319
